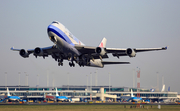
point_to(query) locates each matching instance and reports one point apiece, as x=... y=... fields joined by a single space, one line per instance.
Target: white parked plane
x=68 y=47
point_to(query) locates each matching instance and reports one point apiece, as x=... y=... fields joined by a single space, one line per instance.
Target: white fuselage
x=65 y=42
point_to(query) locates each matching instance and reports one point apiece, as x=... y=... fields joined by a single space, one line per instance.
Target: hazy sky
x=125 y=23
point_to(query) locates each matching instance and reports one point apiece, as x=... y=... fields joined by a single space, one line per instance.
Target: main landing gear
x=60 y=62
x=71 y=64
x=81 y=64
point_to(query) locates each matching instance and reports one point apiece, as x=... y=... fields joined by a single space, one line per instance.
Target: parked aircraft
x=68 y=47
x=62 y=98
x=12 y=98
x=133 y=98
x=57 y=97
x=2 y=97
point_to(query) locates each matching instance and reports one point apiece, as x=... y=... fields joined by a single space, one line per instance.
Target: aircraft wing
x=51 y=50
x=127 y=52
x=115 y=51
x=88 y=50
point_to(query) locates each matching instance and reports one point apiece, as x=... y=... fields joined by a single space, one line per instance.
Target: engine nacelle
x=100 y=50
x=130 y=52
x=38 y=51
x=23 y=53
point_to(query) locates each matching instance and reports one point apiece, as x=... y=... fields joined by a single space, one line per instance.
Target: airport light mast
x=27 y=78
x=68 y=79
x=87 y=82
x=6 y=79
x=138 y=86
x=91 y=87
x=19 y=79
x=37 y=80
x=133 y=78
x=47 y=79
x=96 y=78
x=109 y=81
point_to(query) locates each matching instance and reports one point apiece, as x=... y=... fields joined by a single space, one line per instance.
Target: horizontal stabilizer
x=111 y=62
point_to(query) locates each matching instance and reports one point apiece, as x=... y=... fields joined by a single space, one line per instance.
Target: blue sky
x=134 y=24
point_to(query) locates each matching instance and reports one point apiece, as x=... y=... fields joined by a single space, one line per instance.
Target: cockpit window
x=55 y=22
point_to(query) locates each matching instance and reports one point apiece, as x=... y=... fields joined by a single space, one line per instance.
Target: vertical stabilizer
x=163 y=88
x=132 y=93
x=169 y=88
x=44 y=94
x=8 y=94
x=103 y=43
x=57 y=92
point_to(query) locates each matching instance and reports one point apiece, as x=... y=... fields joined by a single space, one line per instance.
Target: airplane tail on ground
x=132 y=93
x=163 y=88
x=103 y=43
x=44 y=94
x=57 y=92
x=8 y=94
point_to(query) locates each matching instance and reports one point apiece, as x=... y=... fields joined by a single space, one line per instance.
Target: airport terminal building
x=88 y=92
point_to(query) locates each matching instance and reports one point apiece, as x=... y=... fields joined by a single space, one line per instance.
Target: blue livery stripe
x=60 y=33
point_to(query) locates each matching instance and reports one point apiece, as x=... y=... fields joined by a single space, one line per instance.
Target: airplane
x=133 y=98
x=2 y=97
x=68 y=47
x=12 y=98
x=62 y=98
x=57 y=97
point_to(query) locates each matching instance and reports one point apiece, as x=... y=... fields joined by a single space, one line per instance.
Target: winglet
x=12 y=48
x=165 y=48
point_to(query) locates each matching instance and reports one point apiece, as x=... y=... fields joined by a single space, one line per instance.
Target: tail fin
x=169 y=88
x=44 y=94
x=8 y=94
x=103 y=43
x=57 y=92
x=132 y=93
x=163 y=88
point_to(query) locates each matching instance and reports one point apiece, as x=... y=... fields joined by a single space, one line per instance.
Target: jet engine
x=38 y=51
x=23 y=53
x=130 y=52
x=100 y=51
